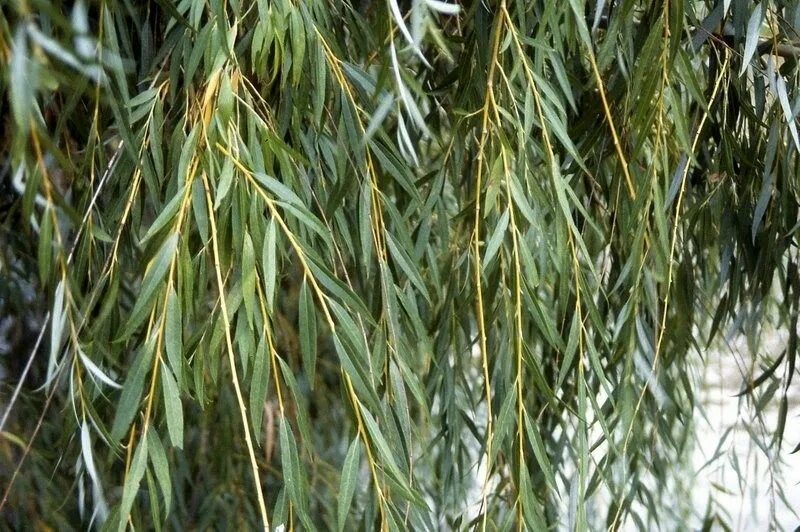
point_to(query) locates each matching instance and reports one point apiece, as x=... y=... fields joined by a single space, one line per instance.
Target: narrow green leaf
x=280 y=190
x=496 y=239
x=155 y=273
x=88 y=459
x=21 y=83
x=249 y=277
x=531 y=511
x=381 y=445
x=307 y=320
x=347 y=483
x=365 y=225
x=540 y=453
x=199 y=210
x=173 y=407
x=400 y=21
x=320 y=74
x=259 y=384
x=166 y=215
x=173 y=334
x=59 y=320
x=297 y=30
x=269 y=263
x=158 y=458
x=303 y=424
x=751 y=41
x=187 y=154
x=292 y=475
x=505 y=420
x=128 y=403
x=408 y=266
x=783 y=98
x=132 y=481
x=95 y=371
x=224 y=183
x=225 y=100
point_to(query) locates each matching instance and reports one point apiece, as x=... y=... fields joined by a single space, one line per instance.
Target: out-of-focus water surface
x=755 y=485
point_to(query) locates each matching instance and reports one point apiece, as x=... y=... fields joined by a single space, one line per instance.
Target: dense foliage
x=386 y=264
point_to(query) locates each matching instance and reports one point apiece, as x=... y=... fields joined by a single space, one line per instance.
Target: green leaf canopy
x=387 y=264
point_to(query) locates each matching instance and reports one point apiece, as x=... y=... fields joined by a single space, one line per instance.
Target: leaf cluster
x=328 y=265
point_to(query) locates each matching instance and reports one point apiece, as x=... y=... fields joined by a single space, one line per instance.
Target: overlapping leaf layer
x=385 y=264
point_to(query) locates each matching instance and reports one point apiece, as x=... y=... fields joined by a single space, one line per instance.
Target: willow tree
x=386 y=264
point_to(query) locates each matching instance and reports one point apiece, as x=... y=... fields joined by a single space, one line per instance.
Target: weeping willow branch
x=446 y=265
